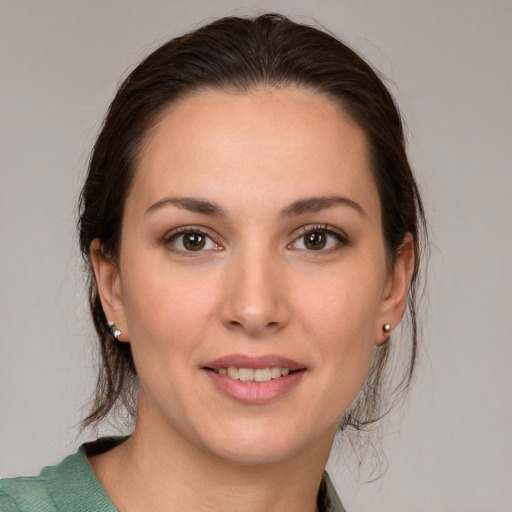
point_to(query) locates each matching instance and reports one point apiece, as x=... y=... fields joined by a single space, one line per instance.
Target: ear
x=395 y=292
x=108 y=281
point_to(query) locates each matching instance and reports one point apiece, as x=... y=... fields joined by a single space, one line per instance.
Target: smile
x=254 y=379
x=253 y=374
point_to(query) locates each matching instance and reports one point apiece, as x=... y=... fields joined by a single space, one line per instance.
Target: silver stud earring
x=115 y=332
x=386 y=328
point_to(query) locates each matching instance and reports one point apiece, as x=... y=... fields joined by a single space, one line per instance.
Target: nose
x=255 y=294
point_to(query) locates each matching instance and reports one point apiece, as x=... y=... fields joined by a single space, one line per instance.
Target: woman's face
x=252 y=280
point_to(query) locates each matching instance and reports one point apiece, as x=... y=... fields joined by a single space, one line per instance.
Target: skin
x=254 y=289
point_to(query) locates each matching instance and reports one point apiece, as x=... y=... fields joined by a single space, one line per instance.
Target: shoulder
x=24 y=494
x=71 y=486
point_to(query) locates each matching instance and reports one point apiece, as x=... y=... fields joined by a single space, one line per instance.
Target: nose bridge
x=255 y=296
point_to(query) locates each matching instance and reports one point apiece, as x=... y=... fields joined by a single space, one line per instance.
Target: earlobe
x=397 y=287
x=108 y=281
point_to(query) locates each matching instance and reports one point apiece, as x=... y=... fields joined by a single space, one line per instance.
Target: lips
x=254 y=362
x=254 y=380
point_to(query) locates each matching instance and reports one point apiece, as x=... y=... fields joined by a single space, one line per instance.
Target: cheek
x=345 y=307
x=342 y=322
x=167 y=319
x=167 y=310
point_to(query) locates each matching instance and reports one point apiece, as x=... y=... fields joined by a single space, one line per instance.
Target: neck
x=157 y=471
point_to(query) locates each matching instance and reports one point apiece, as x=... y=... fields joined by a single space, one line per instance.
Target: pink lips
x=244 y=361
x=254 y=392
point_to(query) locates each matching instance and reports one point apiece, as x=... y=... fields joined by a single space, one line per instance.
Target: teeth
x=233 y=372
x=245 y=374
x=262 y=375
x=275 y=372
x=254 y=375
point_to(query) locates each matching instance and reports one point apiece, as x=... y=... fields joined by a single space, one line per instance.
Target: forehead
x=277 y=144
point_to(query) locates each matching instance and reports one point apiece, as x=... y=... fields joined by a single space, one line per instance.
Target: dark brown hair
x=237 y=54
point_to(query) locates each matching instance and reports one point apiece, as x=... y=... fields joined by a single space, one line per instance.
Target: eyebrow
x=299 y=207
x=188 y=203
x=317 y=204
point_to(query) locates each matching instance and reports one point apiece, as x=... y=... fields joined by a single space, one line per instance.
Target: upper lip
x=247 y=361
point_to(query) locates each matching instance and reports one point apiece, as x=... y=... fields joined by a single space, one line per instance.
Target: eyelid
x=184 y=230
x=322 y=227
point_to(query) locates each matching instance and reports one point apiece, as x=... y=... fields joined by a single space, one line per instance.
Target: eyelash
x=340 y=237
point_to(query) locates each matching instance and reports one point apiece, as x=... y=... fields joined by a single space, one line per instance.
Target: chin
x=253 y=453
x=257 y=444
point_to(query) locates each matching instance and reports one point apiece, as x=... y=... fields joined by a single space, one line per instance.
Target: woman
x=252 y=228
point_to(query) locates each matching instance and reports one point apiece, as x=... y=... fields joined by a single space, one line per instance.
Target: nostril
x=256 y=316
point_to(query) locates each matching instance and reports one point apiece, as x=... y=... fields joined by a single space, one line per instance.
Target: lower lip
x=255 y=392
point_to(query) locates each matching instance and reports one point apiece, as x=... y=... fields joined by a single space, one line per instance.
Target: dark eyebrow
x=316 y=204
x=299 y=207
x=188 y=203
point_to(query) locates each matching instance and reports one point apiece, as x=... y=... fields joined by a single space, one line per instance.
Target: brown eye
x=315 y=241
x=194 y=241
x=320 y=239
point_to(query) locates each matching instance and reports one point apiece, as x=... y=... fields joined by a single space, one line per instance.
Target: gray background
x=451 y=61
